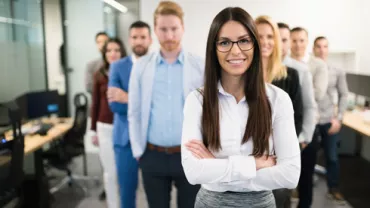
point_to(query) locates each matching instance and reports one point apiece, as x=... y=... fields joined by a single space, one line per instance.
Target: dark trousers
x=282 y=198
x=159 y=171
x=308 y=162
x=330 y=145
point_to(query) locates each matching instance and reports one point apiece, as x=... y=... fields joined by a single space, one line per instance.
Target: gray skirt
x=212 y=199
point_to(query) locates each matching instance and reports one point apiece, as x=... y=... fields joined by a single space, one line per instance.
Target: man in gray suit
x=319 y=71
x=93 y=65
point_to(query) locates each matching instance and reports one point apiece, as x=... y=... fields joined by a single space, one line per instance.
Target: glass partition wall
x=22 y=51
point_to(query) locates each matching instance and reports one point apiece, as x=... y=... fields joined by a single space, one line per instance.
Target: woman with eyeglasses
x=238 y=139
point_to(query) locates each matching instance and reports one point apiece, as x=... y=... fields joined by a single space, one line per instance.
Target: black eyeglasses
x=226 y=45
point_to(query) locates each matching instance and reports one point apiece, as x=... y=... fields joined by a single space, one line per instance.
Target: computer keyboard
x=44 y=128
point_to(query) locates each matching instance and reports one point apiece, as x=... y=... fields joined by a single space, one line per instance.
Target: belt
x=169 y=150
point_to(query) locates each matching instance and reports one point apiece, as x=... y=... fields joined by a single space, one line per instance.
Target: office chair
x=60 y=155
x=11 y=184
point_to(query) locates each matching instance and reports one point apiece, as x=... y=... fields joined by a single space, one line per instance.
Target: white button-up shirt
x=234 y=169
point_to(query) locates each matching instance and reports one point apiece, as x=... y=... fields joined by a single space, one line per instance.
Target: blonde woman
x=281 y=76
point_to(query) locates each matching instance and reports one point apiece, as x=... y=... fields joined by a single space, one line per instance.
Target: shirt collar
x=180 y=58
x=222 y=91
x=306 y=58
x=133 y=58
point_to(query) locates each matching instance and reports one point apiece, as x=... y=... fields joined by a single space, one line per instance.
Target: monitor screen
x=358 y=84
x=38 y=104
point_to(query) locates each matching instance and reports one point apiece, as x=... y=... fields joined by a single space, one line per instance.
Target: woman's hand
x=95 y=140
x=198 y=149
x=265 y=162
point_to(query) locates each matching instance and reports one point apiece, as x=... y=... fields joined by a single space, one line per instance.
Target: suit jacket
x=291 y=85
x=119 y=76
x=140 y=96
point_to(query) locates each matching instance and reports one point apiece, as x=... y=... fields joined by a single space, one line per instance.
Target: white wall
x=84 y=20
x=126 y=19
x=124 y=22
x=53 y=41
x=342 y=21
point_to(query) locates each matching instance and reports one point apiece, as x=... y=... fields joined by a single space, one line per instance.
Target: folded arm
x=114 y=85
x=202 y=171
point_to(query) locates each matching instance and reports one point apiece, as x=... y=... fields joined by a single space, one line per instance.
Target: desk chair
x=60 y=155
x=11 y=184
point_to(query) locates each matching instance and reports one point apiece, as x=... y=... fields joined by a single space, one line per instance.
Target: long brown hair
x=258 y=126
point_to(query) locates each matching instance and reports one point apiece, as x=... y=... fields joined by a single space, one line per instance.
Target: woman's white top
x=234 y=169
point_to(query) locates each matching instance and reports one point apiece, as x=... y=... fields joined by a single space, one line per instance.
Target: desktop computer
x=35 y=105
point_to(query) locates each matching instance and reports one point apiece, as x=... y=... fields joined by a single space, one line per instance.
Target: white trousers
x=106 y=153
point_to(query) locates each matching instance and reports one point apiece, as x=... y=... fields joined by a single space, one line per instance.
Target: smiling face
x=238 y=59
x=266 y=36
x=299 y=41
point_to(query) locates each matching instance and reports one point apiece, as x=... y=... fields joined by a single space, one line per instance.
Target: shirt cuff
x=301 y=138
x=243 y=167
x=340 y=117
x=92 y=133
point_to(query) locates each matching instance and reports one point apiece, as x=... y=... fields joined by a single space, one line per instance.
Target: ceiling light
x=116 y=5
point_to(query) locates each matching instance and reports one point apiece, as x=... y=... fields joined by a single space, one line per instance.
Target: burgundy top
x=100 y=110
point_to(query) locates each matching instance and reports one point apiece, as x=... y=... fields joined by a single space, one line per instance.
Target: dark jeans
x=159 y=171
x=330 y=145
x=308 y=162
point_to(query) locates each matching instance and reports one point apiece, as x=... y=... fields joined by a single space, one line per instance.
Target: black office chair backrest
x=81 y=114
x=77 y=132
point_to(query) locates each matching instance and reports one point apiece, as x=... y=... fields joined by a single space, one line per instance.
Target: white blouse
x=234 y=169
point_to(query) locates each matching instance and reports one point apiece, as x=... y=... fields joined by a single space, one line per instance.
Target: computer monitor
x=359 y=84
x=35 y=105
x=352 y=82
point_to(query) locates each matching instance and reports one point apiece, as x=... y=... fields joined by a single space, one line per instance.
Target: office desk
x=33 y=144
x=355 y=121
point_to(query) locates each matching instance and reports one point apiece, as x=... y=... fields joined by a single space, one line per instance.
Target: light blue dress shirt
x=166 y=108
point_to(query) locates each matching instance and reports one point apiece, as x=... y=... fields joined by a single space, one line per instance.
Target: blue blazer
x=140 y=95
x=119 y=76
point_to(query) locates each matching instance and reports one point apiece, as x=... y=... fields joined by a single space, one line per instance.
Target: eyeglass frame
x=232 y=45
